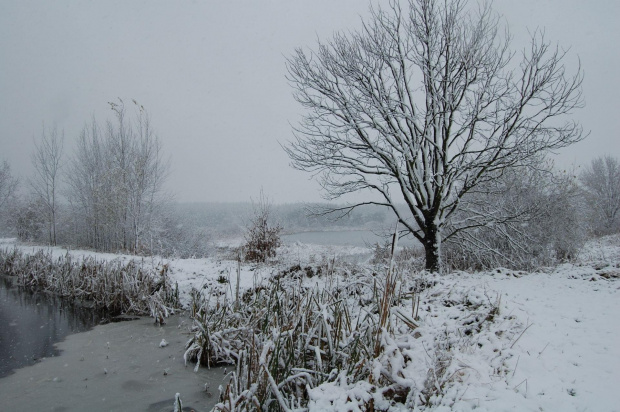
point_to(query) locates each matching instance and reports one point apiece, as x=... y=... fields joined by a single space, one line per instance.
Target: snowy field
x=553 y=344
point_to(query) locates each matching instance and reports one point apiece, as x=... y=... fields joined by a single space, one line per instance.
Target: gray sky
x=212 y=76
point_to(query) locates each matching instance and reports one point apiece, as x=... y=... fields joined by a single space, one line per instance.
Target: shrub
x=262 y=239
x=543 y=225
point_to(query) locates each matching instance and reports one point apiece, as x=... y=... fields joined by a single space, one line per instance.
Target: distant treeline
x=231 y=218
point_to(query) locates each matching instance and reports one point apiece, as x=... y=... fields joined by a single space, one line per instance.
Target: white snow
x=568 y=354
x=555 y=344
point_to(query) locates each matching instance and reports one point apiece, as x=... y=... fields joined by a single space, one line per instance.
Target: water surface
x=345 y=238
x=31 y=323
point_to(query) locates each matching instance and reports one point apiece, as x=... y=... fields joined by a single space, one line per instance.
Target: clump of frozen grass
x=289 y=339
x=302 y=335
x=284 y=339
x=114 y=285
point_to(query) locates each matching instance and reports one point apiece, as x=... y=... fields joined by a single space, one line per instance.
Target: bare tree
x=89 y=188
x=425 y=104
x=29 y=218
x=8 y=184
x=8 y=189
x=147 y=175
x=116 y=181
x=47 y=161
x=601 y=180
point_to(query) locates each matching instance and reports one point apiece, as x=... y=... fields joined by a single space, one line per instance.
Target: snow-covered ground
x=566 y=355
x=554 y=345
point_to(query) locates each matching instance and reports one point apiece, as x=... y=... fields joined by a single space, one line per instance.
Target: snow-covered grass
x=333 y=339
x=114 y=285
x=495 y=340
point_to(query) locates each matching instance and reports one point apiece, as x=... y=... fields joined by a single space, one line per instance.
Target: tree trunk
x=50 y=230
x=432 y=247
x=54 y=226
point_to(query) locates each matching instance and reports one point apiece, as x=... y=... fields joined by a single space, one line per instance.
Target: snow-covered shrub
x=410 y=257
x=601 y=181
x=262 y=238
x=28 y=219
x=381 y=253
x=543 y=223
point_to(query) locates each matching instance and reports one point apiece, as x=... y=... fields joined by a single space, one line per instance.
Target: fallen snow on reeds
x=119 y=286
x=323 y=329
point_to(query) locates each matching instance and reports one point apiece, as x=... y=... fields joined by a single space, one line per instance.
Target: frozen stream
x=114 y=367
x=31 y=323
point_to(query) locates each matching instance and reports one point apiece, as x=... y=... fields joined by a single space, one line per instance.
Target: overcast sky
x=212 y=76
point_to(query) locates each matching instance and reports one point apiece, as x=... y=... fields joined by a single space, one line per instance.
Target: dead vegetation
x=116 y=286
x=313 y=328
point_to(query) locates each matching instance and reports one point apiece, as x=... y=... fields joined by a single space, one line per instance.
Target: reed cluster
x=116 y=286
x=286 y=338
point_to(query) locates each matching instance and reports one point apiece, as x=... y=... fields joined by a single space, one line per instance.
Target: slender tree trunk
x=54 y=212
x=50 y=230
x=54 y=228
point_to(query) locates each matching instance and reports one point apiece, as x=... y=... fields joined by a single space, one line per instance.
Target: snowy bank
x=496 y=340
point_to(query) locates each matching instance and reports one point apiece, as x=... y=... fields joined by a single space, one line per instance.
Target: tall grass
x=118 y=287
x=293 y=342
x=286 y=338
